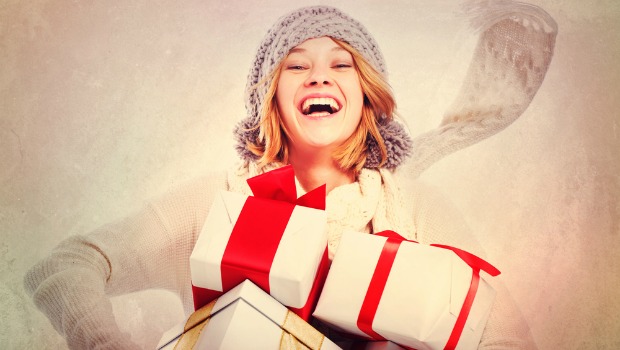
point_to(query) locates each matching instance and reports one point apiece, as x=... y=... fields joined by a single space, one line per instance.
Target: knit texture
x=151 y=250
x=292 y=30
x=509 y=64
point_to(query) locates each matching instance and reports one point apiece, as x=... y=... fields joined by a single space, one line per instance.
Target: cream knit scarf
x=508 y=66
x=371 y=204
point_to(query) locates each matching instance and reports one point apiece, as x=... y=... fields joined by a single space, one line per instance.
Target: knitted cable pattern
x=508 y=67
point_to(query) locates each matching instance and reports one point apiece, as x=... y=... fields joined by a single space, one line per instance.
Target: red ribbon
x=256 y=235
x=382 y=271
x=376 y=287
x=279 y=184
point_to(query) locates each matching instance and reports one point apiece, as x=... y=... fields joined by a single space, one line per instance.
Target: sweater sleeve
x=437 y=220
x=72 y=286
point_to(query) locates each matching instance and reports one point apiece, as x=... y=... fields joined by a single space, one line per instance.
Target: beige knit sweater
x=73 y=285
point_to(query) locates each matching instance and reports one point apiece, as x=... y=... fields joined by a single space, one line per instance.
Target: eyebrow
x=302 y=50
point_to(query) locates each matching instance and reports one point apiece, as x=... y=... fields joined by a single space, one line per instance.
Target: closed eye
x=295 y=67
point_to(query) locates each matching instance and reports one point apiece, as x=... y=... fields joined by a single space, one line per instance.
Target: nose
x=318 y=76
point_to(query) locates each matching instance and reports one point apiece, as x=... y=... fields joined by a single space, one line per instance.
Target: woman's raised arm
x=151 y=249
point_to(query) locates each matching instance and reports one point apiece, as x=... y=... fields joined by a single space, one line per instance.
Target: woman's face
x=319 y=95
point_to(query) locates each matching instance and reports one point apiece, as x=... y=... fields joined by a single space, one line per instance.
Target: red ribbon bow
x=257 y=233
x=279 y=184
x=382 y=271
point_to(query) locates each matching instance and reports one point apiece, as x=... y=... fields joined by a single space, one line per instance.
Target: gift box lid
x=252 y=301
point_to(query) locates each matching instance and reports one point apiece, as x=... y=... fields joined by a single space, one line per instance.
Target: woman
x=316 y=99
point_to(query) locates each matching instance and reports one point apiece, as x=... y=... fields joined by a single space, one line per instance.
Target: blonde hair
x=379 y=103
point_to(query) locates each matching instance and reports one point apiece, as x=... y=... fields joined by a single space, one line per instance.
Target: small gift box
x=384 y=287
x=244 y=318
x=273 y=238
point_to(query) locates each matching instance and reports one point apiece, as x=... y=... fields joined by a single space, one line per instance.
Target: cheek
x=284 y=109
x=355 y=93
x=281 y=102
x=285 y=94
x=357 y=103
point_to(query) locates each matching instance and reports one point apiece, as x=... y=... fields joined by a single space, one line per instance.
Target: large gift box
x=370 y=345
x=421 y=296
x=244 y=318
x=273 y=238
x=376 y=345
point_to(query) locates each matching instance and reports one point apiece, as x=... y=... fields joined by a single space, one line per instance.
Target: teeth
x=327 y=101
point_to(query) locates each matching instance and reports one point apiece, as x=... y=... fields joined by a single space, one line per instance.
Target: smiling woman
x=317 y=99
x=328 y=86
x=317 y=73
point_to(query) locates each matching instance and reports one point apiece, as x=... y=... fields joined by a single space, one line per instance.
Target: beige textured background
x=104 y=104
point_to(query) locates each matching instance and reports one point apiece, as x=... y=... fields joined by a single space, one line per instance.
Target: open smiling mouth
x=320 y=107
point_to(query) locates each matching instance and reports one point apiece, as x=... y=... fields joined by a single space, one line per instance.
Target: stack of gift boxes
x=261 y=274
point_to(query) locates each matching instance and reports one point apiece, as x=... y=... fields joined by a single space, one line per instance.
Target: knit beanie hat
x=290 y=31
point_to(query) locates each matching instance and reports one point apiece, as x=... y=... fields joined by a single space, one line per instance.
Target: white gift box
x=246 y=318
x=296 y=260
x=375 y=345
x=421 y=299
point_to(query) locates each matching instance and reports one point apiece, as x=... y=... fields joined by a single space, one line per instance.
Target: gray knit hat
x=292 y=30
